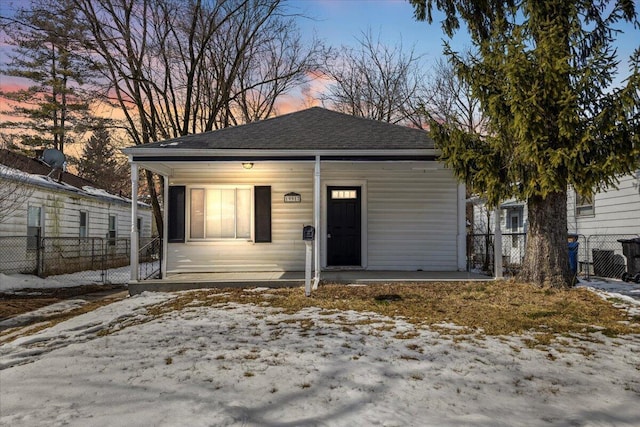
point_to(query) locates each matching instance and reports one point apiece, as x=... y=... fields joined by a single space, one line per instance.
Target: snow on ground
x=244 y=365
x=16 y=282
x=42 y=313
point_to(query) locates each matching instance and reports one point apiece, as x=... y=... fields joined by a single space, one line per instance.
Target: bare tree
x=449 y=99
x=175 y=67
x=377 y=82
x=277 y=61
x=14 y=188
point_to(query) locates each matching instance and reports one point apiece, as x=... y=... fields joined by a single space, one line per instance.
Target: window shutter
x=262 y=195
x=176 y=223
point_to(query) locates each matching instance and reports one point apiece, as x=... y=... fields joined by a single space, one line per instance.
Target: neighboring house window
x=139 y=225
x=514 y=221
x=514 y=226
x=584 y=204
x=83 y=224
x=111 y=235
x=34 y=226
x=220 y=213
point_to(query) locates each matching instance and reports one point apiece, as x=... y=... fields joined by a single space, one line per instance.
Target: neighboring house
x=601 y=218
x=70 y=209
x=239 y=197
x=614 y=211
x=513 y=223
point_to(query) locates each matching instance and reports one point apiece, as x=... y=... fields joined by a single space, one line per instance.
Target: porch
x=187 y=281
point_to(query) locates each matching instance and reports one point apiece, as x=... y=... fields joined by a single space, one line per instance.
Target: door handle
x=328 y=235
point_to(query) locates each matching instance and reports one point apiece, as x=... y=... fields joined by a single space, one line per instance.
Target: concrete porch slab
x=275 y=279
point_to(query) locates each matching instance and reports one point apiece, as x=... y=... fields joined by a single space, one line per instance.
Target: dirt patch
x=26 y=300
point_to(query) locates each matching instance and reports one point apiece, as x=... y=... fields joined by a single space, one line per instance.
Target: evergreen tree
x=47 y=52
x=543 y=72
x=100 y=164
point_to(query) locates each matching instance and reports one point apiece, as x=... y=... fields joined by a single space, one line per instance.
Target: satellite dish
x=55 y=159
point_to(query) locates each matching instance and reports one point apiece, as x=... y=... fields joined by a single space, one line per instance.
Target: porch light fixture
x=247 y=165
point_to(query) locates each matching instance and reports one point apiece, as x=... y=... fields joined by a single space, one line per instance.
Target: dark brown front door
x=343 y=226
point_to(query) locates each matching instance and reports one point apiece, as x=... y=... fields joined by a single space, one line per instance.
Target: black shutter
x=176 y=218
x=262 y=195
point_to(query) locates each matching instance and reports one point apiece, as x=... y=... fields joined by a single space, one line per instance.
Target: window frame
x=86 y=224
x=585 y=205
x=32 y=244
x=112 y=239
x=188 y=215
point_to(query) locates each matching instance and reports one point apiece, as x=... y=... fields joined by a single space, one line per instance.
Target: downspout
x=462 y=228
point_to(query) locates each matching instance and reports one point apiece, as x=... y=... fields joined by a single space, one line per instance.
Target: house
x=239 y=197
x=65 y=219
x=615 y=211
x=513 y=223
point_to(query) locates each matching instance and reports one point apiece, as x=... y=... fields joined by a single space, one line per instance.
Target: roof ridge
x=4 y=160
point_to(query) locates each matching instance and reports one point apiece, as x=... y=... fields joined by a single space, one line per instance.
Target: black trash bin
x=602 y=262
x=631 y=250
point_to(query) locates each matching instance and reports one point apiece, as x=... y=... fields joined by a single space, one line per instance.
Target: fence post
x=104 y=244
x=497 y=245
x=39 y=254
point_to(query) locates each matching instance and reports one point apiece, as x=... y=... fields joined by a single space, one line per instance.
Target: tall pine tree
x=47 y=52
x=100 y=164
x=543 y=72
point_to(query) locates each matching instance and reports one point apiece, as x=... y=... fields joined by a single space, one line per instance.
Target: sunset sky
x=340 y=22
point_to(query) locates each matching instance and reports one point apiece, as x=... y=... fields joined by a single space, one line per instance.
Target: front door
x=343 y=226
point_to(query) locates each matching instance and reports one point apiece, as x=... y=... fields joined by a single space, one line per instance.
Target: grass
x=487 y=308
x=494 y=308
x=54 y=320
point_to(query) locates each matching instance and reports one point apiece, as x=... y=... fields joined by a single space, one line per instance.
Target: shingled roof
x=36 y=167
x=312 y=129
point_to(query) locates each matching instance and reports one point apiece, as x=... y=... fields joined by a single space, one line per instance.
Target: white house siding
x=285 y=252
x=61 y=211
x=412 y=213
x=411 y=217
x=62 y=216
x=616 y=211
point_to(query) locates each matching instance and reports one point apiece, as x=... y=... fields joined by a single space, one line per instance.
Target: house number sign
x=292 y=198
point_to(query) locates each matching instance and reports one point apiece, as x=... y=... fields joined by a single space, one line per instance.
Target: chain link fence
x=602 y=255
x=92 y=259
x=480 y=252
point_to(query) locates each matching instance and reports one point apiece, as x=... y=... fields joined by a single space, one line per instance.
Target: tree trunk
x=546 y=261
x=155 y=204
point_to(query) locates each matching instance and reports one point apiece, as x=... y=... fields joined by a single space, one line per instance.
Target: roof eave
x=140 y=152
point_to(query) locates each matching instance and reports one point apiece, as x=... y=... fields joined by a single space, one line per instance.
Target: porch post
x=316 y=221
x=497 y=244
x=165 y=227
x=134 y=222
x=462 y=228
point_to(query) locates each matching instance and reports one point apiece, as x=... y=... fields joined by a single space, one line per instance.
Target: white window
x=111 y=235
x=220 y=213
x=584 y=204
x=83 y=224
x=344 y=194
x=34 y=226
